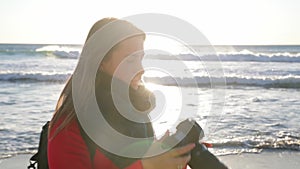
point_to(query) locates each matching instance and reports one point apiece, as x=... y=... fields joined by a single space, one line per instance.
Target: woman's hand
x=172 y=159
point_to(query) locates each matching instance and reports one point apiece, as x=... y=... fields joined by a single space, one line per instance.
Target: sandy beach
x=264 y=160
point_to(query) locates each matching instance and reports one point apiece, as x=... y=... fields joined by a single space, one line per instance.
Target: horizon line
x=1 y=43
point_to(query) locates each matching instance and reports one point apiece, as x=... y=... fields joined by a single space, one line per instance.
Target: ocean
x=257 y=110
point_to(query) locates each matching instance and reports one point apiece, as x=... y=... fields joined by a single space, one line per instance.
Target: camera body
x=189 y=131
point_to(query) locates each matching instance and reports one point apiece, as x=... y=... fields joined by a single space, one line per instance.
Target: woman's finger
x=181 y=162
x=182 y=150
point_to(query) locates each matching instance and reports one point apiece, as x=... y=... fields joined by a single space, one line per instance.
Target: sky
x=223 y=22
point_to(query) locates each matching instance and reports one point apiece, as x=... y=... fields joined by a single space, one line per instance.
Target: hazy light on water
x=168 y=107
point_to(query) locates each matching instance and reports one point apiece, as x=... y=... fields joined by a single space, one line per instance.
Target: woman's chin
x=134 y=86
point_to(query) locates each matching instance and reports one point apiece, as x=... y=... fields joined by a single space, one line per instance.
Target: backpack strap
x=40 y=158
x=33 y=161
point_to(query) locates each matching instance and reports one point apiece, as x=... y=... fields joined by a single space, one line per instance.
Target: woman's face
x=125 y=61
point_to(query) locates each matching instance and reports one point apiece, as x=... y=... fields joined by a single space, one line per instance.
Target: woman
x=67 y=143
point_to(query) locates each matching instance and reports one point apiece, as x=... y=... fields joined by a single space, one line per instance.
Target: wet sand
x=264 y=160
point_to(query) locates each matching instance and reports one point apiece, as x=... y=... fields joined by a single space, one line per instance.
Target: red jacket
x=68 y=150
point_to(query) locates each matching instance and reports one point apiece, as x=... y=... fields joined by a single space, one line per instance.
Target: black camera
x=189 y=131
